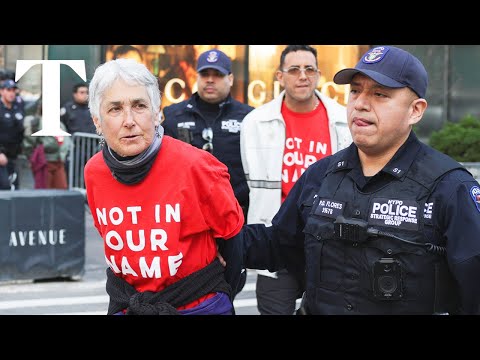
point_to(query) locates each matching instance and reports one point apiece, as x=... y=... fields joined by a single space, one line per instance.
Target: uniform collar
x=15 y=106
x=397 y=167
x=192 y=103
x=84 y=105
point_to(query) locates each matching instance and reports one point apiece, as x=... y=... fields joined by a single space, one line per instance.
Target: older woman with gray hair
x=158 y=203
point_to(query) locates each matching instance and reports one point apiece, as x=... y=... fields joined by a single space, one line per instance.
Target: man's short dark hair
x=125 y=49
x=77 y=86
x=293 y=48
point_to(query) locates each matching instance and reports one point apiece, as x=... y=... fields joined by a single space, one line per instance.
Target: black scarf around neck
x=133 y=169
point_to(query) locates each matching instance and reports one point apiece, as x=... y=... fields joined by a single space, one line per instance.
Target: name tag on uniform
x=186 y=125
x=329 y=208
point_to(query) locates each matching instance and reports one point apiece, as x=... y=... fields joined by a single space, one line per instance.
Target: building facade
x=453 y=89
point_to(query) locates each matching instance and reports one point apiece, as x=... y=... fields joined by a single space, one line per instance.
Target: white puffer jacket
x=262 y=143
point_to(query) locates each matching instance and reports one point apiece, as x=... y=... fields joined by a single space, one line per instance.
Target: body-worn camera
x=387 y=279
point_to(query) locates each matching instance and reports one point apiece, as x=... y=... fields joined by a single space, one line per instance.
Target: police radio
x=354 y=230
x=388 y=274
x=357 y=230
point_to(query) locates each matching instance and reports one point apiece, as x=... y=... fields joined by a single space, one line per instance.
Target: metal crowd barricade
x=82 y=147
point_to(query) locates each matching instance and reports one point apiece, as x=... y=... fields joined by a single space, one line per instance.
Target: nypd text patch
x=428 y=211
x=231 y=126
x=402 y=214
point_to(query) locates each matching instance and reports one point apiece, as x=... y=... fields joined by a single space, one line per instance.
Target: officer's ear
x=417 y=109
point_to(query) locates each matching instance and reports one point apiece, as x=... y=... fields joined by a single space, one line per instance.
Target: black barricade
x=42 y=234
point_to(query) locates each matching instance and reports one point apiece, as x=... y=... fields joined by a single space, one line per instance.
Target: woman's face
x=127 y=118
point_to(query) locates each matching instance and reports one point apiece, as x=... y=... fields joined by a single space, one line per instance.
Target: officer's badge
x=375 y=55
x=18 y=116
x=475 y=194
x=212 y=57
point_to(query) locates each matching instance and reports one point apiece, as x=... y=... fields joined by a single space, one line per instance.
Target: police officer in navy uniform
x=6 y=74
x=388 y=225
x=76 y=117
x=75 y=113
x=210 y=119
x=11 y=127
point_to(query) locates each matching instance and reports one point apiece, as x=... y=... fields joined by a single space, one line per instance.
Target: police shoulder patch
x=475 y=194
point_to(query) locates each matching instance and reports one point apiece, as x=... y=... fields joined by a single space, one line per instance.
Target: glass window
x=265 y=59
x=175 y=66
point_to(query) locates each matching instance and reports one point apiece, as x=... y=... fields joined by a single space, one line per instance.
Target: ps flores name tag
x=329 y=208
x=395 y=213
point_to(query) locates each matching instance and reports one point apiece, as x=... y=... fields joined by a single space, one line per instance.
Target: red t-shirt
x=307 y=140
x=162 y=229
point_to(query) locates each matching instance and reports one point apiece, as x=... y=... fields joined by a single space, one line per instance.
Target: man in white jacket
x=278 y=141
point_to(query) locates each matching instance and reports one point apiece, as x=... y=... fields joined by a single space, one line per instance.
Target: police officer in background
x=210 y=119
x=11 y=128
x=388 y=225
x=6 y=74
x=75 y=114
x=76 y=117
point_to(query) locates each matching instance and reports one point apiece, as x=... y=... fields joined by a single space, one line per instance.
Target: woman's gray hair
x=129 y=71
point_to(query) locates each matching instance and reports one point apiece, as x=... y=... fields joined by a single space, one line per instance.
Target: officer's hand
x=220 y=257
x=229 y=252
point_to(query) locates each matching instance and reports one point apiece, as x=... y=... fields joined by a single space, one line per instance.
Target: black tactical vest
x=357 y=266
